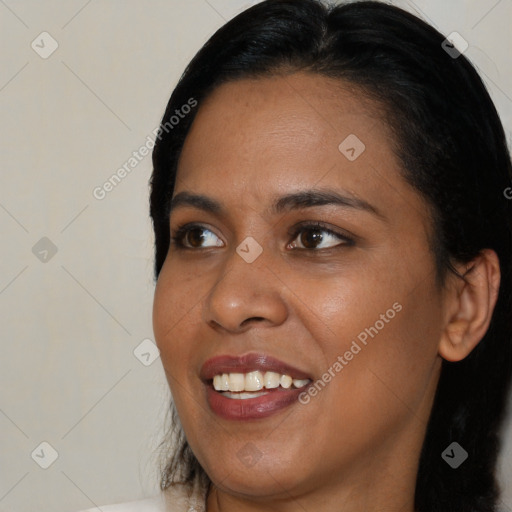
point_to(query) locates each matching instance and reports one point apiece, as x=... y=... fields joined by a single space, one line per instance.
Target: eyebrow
x=294 y=201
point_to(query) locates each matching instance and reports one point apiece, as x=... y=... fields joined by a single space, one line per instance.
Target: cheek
x=415 y=337
x=173 y=312
x=337 y=306
x=392 y=372
x=178 y=292
x=385 y=317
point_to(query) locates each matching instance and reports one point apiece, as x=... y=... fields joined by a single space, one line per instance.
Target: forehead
x=300 y=115
x=255 y=139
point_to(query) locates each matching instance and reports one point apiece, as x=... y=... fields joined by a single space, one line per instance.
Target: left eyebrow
x=294 y=201
x=311 y=198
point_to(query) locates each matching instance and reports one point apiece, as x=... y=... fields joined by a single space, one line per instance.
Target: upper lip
x=247 y=363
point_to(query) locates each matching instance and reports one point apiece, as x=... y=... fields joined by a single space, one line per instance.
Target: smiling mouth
x=244 y=405
x=244 y=386
x=251 y=386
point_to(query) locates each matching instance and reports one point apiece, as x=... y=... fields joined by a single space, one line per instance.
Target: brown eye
x=317 y=236
x=195 y=237
x=311 y=237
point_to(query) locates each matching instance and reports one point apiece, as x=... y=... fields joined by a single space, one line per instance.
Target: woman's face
x=349 y=303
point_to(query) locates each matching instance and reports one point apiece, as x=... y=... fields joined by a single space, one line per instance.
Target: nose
x=245 y=294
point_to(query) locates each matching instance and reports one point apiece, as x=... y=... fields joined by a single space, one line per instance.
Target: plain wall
x=70 y=321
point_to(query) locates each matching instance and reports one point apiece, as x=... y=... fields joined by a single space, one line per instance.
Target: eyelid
x=344 y=237
x=178 y=234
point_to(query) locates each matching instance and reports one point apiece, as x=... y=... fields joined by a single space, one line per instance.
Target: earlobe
x=469 y=305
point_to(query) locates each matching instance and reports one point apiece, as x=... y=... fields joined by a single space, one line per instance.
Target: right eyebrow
x=199 y=201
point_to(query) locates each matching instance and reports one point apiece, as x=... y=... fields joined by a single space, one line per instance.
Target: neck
x=375 y=489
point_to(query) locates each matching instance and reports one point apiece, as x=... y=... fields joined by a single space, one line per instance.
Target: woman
x=333 y=263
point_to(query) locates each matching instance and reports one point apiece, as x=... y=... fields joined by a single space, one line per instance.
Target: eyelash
x=181 y=232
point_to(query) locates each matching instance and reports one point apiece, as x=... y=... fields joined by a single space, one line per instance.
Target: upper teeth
x=254 y=381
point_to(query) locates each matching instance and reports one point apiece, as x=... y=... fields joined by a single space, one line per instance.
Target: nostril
x=254 y=318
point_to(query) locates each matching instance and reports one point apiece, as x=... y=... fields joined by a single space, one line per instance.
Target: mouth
x=251 y=386
x=243 y=385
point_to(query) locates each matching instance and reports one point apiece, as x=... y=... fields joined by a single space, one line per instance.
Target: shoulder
x=178 y=498
x=154 y=504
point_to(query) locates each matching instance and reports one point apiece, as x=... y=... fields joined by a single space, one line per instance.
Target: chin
x=255 y=484
x=260 y=478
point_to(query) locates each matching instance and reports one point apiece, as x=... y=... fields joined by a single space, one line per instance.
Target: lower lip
x=252 y=408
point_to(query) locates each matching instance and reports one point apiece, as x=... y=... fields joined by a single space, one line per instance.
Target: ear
x=469 y=305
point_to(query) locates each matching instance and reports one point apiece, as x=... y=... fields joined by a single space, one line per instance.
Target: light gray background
x=69 y=325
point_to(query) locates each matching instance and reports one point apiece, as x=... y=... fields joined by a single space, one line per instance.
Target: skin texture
x=355 y=446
